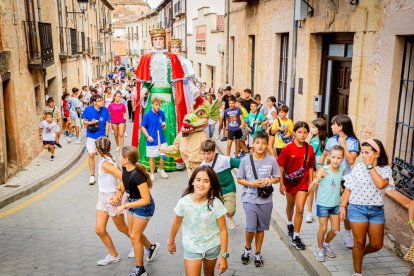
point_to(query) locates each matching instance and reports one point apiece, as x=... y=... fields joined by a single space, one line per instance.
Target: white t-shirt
x=363 y=189
x=269 y=116
x=200 y=229
x=49 y=130
x=107 y=182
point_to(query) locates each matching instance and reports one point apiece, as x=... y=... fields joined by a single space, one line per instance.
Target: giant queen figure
x=160 y=75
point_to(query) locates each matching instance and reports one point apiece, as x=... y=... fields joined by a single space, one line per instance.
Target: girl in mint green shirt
x=201 y=212
x=328 y=184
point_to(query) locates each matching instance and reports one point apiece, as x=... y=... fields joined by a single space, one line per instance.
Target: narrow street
x=55 y=235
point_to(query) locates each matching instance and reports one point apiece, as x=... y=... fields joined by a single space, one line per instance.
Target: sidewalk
x=383 y=262
x=41 y=171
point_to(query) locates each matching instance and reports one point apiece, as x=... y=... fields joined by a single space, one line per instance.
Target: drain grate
x=12 y=186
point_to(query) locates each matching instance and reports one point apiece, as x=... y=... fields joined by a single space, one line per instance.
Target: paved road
x=54 y=234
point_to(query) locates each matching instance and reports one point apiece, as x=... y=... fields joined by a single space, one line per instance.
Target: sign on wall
x=201 y=39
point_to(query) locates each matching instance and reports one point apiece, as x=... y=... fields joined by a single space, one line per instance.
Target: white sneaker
x=117 y=149
x=77 y=141
x=348 y=240
x=320 y=257
x=109 y=259
x=162 y=173
x=126 y=134
x=308 y=217
x=92 y=181
x=152 y=176
x=231 y=223
x=132 y=253
x=69 y=140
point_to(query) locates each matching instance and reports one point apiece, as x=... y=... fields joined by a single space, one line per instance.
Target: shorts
x=234 y=134
x=257 y=216
x=65 y=120
x=104 y=203
x=322 y=211
x=210 y=254
x=143 y=212
x=76 y=122
x=230 y=202
x=90 y=145
x=302 y=186
x=373 y=214
x=278 y=151
x=245 y=133
x=118 y=123
x=49 y=143
x=154 y=151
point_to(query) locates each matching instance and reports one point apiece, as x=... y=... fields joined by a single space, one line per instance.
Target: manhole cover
x=12 y=186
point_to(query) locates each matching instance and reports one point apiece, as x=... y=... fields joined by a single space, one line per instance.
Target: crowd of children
x=269 y=149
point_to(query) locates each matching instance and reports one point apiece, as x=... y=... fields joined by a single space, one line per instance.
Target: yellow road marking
x=45 y=193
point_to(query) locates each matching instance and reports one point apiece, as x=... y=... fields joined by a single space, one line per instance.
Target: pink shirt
x=117 y=112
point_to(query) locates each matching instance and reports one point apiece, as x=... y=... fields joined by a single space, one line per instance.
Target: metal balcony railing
x=39 y=44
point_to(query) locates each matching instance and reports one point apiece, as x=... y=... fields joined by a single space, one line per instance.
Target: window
x=283 y=66
x=201 y=39
x=252 y=55
x=403 y=151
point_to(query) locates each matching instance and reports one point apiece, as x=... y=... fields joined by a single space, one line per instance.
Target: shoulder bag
x=266 y=191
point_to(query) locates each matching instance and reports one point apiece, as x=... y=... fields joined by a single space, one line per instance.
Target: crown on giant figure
x=175 y=42
x=157 y=32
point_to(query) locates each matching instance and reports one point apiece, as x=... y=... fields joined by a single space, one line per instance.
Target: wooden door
x=340 y=87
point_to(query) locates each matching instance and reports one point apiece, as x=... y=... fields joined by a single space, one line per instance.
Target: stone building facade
x=336 y=57
x=46 y=46
x=206 y=47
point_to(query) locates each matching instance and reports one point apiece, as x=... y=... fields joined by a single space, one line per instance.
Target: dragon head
x=197 y=118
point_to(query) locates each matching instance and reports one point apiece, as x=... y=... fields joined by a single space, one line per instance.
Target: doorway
x=336 y=75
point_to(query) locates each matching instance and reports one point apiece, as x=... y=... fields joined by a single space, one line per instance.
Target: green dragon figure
x=187 y=144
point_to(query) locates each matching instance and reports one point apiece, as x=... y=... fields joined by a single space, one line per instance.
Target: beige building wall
x=23 y=88
x=213 y=57
x=266 y=21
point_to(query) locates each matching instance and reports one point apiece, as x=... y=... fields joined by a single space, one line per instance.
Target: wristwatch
x=225 y=255
x=370 y=166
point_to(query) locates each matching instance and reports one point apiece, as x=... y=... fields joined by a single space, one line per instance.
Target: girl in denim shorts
x=202 y=213
x=140 y=207
x=328 y=182
x=364 y=191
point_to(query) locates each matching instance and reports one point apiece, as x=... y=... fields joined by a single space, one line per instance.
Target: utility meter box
x=317 y=103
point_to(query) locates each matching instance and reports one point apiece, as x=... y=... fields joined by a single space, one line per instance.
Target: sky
x=153 y=3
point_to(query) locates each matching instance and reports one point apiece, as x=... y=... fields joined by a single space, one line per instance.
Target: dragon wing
x=214 y=110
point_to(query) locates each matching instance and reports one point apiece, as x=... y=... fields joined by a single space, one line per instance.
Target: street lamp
x=83 y=6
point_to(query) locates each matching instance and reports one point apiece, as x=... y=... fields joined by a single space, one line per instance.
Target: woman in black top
x=140 y=207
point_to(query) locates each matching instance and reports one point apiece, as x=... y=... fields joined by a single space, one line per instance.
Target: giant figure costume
x=160 y=75
x=189 y=75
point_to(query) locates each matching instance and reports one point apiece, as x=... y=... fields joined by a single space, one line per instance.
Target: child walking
x=48 y=132
x=201 y=212
x=270 y=111
x=108 y=177
x=297 y=162
x=235 y=122
x=344 y=136
x=364 y=191
x=328 y=184
x=152 y=127
x=223 y=165
x=245 y=134
x=140 y=206
x=317 y=137
x=255 y=121
x=258 y=172
x=282 y=129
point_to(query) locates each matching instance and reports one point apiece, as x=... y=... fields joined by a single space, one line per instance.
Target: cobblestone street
x=55 y=235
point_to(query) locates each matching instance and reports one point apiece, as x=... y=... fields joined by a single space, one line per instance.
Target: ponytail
x=142 y=170
x=131 y=153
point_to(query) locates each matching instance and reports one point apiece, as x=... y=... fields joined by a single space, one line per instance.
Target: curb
x=41 y=183
x=305 y=257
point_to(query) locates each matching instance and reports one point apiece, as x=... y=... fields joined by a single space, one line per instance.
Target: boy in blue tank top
x=328 y=184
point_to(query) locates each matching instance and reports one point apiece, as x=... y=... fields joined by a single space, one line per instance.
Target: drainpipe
x=39 y=11
x=185 y=31
x=227 y=40
x=293 y=64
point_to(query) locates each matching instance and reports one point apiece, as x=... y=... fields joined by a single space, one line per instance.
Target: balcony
x=97 y=49
x=68 y=42
x=39 y=44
